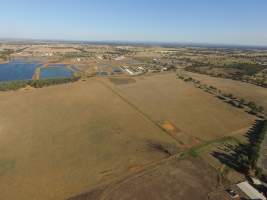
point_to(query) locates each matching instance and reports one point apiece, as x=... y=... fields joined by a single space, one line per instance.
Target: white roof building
x=250 y=191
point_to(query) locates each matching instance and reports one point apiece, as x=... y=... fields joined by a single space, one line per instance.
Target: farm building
x=250 y=191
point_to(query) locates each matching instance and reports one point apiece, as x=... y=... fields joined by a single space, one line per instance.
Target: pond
x=17 y=70
x=56 y=71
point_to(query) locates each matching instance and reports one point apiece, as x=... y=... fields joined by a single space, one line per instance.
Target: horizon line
x=137 y=42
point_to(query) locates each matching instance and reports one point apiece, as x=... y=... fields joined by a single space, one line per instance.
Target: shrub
x=242 y=101
x=260 y=109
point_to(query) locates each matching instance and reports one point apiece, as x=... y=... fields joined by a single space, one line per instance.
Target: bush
x=260 y=109
x=213 y=88
x=242 y=101
x=252 y=105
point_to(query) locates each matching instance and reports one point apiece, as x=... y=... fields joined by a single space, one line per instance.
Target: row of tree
x=15 y=85
x=239 y=103
x=244 y=157
x=251 y=151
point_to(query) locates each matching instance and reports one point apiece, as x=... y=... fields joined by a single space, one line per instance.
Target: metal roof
x=256 y=181
x=250 y=191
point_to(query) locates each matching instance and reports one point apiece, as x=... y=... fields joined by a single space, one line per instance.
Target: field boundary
x=143 y=114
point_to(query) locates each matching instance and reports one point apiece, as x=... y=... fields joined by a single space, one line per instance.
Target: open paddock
x=59 y=141
x=195 y=115
x=64 y=140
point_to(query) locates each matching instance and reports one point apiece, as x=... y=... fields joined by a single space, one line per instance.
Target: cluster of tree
x=240 y=103
x=254 y=107
x=184 y=78
x=81 y=49
x=124 y=51
x=246 y=68
x=245 y=71
x=82 y=54
x=15 y=85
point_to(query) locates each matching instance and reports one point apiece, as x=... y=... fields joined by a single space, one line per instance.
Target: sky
x=184 y=21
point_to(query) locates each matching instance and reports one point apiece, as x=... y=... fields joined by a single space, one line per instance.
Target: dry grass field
x=247 y=91
x=190 y=115
x=62 y=141
x=171 y=179
x=59 y=141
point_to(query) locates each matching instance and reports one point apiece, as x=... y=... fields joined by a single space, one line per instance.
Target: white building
x=250 y=191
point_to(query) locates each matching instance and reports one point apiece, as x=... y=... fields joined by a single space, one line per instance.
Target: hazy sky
x=204 y=21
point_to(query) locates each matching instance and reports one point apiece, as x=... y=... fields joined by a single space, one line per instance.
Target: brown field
x=247 y=91
x=61 y=141
x=172 y=179
x=198 y=116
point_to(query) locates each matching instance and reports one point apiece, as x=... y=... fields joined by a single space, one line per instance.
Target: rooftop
x=250 y=191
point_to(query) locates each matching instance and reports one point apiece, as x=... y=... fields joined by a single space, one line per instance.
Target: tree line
x=15 y=85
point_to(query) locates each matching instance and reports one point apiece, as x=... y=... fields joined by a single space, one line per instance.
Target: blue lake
x=17 y=70
x=56 y=71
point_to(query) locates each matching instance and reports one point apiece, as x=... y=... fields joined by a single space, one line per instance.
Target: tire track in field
x=143 y=114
